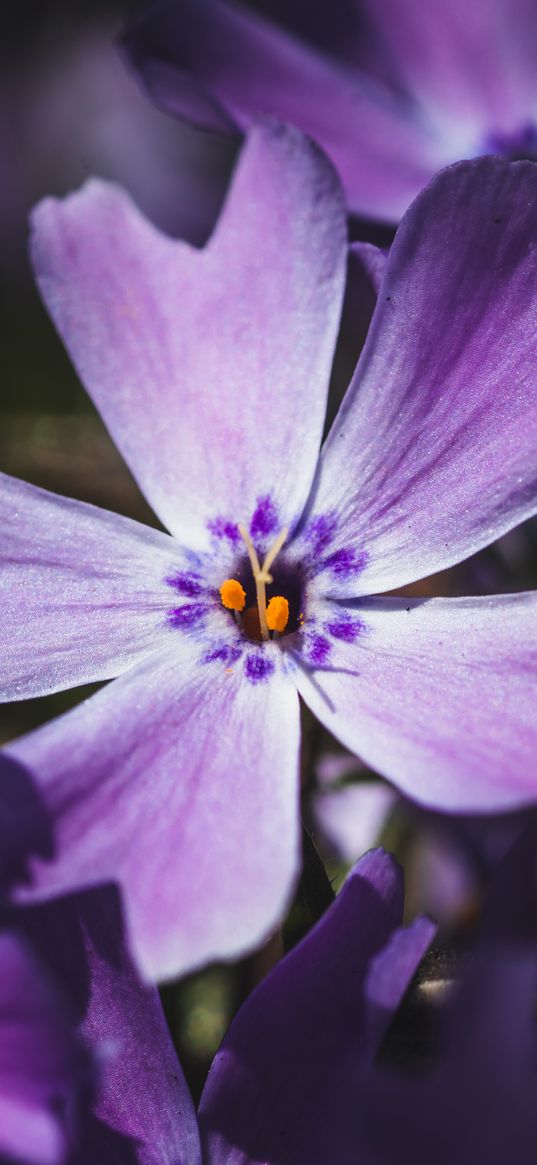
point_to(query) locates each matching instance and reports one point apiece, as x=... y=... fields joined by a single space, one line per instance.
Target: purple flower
x=41 y=1061
x=477 y=1101
x=45 y=1083
x=393 y=91
x=314 y=1023
x=210 y=368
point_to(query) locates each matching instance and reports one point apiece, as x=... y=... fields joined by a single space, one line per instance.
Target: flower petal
x=438 y=696
x=180 y=782
x=218 y=64
x=142 y=1106
x=432 y=455
x=390 y=973
x=83 y=591
x=309 y=1015
x=211 y=367
x=39 y=1059
x=471 y=66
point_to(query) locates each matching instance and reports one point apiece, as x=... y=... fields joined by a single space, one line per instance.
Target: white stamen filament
x=261 y=574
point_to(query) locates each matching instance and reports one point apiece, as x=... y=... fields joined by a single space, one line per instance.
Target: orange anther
x=232 y=595
x=278 y=613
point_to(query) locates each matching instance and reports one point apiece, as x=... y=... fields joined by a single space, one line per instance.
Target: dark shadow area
x=25 y=826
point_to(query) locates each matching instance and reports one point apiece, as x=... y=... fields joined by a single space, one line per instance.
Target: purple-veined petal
x=180 y=781
x=40 y=1061
x=83 y=591
x=467 y=64
x=438 y=695
x=142 y=1109
x=433 y=454
x=211 y=367
x=308 y=1018
x=219 y=64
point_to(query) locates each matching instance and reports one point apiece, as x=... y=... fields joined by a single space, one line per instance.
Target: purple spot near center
x=258 y=668
x=318 y=650
x=186 y=583
x=265 y=518
x=345 y=562
x=222 y=528
x=321 y=532
x=187 y=616
x=347 y=630
x=224 y=653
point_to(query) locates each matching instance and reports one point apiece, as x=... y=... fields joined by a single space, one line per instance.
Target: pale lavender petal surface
x=179 y=780
x=352 y=817
x=83 y=591
x=142 y=1112
x=438 y=695
x=219 y=64
x=468 y=63
x=211 y=367
x=39 y=1059
x=433 y=454
x=308 y=1020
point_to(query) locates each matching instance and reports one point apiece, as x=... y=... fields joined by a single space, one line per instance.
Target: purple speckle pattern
x=258 y=668
x=317 y=650
x=321 y=532
x=227 y=653
x=345 y=562
x=187 y=616
x=345 y=629
x=264 y=519
x=186 y=583
x=223 y=528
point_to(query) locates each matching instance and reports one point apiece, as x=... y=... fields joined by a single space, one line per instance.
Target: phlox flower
x=392 y=91
x=282 y=1085
x=210 y=369
x=42 y=1061
x=45 y=1069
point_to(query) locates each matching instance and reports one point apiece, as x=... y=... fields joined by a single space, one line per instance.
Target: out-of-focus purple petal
x=179 y=780
x=83 y=591
x=390 y=973
x=465 y=64
x=69 y=108
x=142 y=1113
x=229 y=61
x=40 y=1061
x=309 y=1019
x=461 y=733
x=432 y=455
x=351 y=818
x=210 y=367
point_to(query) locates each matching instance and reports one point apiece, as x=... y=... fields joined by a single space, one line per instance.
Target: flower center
x=258 y=622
